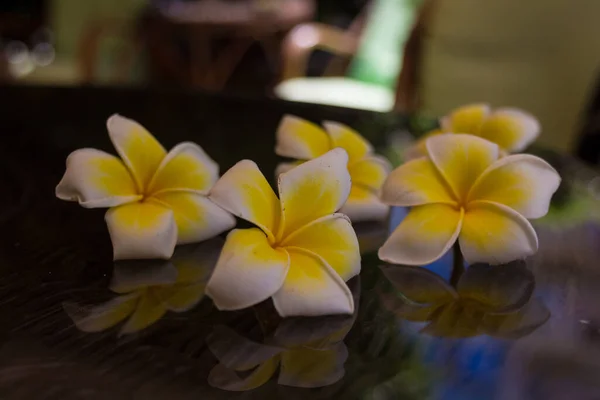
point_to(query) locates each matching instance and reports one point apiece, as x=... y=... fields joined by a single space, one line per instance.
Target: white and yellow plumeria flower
x=510 y=128
x=302 y=252
x=156 y=199
x=463 y=190
x=300 y=139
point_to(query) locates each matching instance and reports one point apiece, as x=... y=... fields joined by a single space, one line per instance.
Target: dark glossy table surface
x=526 y=330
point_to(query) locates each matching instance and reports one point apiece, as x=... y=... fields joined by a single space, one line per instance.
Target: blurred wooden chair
x=371 y=48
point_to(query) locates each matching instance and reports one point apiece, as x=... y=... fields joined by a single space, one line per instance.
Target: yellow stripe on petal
x=299 y=138
x=524 y=183
x=96 y=179
x=249 y=270
x=180 y=298
x=364 y=205
x=495 y=234
x=369 y=172
x=511 y=129
x=197 y=218
x=348 y=139
x=149 y=310
x=140 y=151
x=312 y=288
x=186 y=167
x=312 y=190
x=244 y=192
x=333 y=239
x=415 y=183
x=466 y=119
x=309 y=368
x=460 y=159
x=142 y=230
x=425 y=235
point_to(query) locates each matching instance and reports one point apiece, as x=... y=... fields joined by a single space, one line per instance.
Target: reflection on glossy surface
x=309 y=352
x=148 y=289
x=492 y=300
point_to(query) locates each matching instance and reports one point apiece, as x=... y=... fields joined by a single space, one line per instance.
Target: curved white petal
x=348 y=139
x=197 y=217
x=370 y=172
x=312 y=288
x=141 y=230
x=249 y=270
x=333 y=239
x=299 y=138
x=522 y=182
x=314 y=189
x=140 y=151
x=244 y=192
x=186 y=167
x=415 y=183
x=96 y=179
x=495 y=234
x=512 y=129
x=364 y=205
x=460 y=159
x=425 y=235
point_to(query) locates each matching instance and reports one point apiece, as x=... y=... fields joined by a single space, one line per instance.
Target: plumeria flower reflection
x=300 y=139
x=493 y=300
x=147 y=290
x=302 y=252
x=463 y=190
x=156 y=199
x=511 y=129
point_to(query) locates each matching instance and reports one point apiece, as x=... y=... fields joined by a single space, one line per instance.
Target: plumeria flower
x=510 y=128
x=463 y=190
x=147 y=290
x=302 y=252
x=492 y=300
x=156 y=199
x=300 y=139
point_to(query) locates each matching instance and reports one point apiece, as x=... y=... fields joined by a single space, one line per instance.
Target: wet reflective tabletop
x=75 y=325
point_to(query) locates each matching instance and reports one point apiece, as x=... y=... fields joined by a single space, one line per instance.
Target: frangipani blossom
x=463 y=190
x=300 y=139
x=510 y=128
x=156 y=199
x=302 y=252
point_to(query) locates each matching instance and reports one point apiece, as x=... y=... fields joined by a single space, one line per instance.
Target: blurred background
x=425 y=56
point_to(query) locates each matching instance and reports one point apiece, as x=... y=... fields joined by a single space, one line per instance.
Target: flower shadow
x=493 y=300
x=147 y=289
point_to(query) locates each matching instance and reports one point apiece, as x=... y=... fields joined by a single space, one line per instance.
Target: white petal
x=424 y=236
x=314 y=189
x=512 y=129
x=495 y=234
x=249 y=270
x=141 y=231
x=96 y=179
x=348 y=139
x=522 y=182
x=140 y=151
x=244 y=191
x=312 y=288
x=186 y=167
x=197 y=217
x=364 y=205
